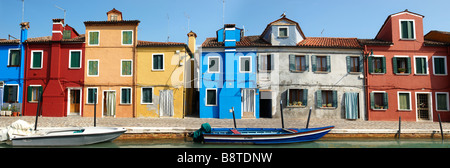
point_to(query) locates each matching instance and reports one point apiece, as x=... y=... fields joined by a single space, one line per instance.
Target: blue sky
x=337 y=18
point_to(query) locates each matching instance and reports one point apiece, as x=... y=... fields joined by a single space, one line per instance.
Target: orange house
x=110 y=62
x=406 y=75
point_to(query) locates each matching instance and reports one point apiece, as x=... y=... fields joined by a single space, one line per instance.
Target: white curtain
x=110 y=104
x=351 y=105
x=249 y=100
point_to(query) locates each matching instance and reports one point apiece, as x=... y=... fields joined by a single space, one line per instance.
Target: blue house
x=228 y=76
x=12 y=69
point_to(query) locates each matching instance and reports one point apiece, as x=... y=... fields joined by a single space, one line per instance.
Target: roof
x=246 y=41
x=374 y=42
x=116 y=22
x=158 y=44
x=435 y=35
x=4 y=41
x=329 y=42
x=283 y=18
x=80 y=38
x=395 y=14
x=114 y=10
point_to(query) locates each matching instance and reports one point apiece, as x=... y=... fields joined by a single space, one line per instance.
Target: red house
x=406 y=75
x=54 y=67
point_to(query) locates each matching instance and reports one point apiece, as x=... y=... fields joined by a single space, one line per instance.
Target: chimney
x=57 y=31
x=191 y=41
x=24 y=31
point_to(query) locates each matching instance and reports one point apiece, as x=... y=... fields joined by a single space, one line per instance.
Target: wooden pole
x=37 y=111
x=282 y=118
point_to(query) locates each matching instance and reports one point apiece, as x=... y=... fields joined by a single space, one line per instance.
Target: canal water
x=322 y=143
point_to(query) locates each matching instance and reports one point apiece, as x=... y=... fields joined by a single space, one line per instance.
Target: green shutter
x=40 y=93
x=37 y=56
x=67 y=34
x=291 y=62
x=127 y=37
x=408 y=65
x=75 y=61
x=93 y=68
x=126 y=67
x=335 y=99
x=386 y=100
x=305 y=97
x=372 y=100
x=306 y=62
x=394 y=65
x=383 y=65
x=6 y=94
x=313 y=63
x=90 y=95
x=419 y=66
x=370 y=64
x=361 y=63
x=410 y=29
x=404 y=27
x=93 y=37
x=287 y=97
x=442 y=102
x=328 y=64
x=348 y=63
x=29 y=93
x=319 y=98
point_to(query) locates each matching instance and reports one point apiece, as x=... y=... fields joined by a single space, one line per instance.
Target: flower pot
x=2 y=113
x=8 y=113
x=15 y=113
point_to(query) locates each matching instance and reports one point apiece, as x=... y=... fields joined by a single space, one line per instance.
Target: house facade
x=12 y=70
x=407 y=75
x=110 y=62
x=161 y=71
x=54 y=72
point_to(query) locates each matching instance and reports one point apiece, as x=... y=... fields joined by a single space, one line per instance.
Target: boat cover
x=198 y=135
x=19 y=127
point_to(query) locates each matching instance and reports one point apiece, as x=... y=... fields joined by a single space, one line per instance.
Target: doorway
x=423 y=106
x=166 y=103
x=248 y=103
x=265 y=104
x=109 y=103
x=74 y=99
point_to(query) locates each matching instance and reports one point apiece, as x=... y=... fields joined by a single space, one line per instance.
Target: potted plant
x=3 y=111
x=329 y=105
x=6 y=111
x=15 y=111
x=300 y=103
x=324 y=105
x=401 y=70
x=378 y=70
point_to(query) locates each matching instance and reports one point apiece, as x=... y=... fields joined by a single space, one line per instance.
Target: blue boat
x=264 y=135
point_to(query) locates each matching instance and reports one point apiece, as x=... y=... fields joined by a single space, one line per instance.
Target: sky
x=171 y=20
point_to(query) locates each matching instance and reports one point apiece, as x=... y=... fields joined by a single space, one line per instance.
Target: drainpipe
x=366 y=82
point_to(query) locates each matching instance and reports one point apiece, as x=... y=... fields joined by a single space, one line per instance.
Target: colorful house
x=110 y=78
x=161 y=70
x=406 y=75
x=54 y=69
x=228 y=76
x=12 y=70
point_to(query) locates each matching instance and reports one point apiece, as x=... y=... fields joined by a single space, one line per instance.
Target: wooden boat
x=67 y=137
x=264 y=135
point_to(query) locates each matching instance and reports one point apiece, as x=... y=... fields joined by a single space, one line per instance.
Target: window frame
x=400 y=29
x=320 y=57
x=98 y=67
x=398 y=101
x=384 y=103
x=250 y=64
x=206 y=96
x=17 y=92
x=406 y=64
x=163 y=62
x=434 y=65
x=121 y=37
x=142 y=95
x=33 y=86
x=218 y=60
x=302 y=69
x=87 y=95
x=381 y=64
x=8 y=64
x=287 y=31
x=426 y=63
x=436 y=100
x=32 y=59
x=265 y=62
x=300 y=94
x=131 y=96
x=89 y=38
x=70 y=59
x=121 y=67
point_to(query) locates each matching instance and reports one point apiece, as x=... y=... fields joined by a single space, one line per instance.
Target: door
x=109 y=103
x=423 y=106
x=265 y=104
x=74 y=101
x=166 y=103
x=351 y=105
x=248 y=103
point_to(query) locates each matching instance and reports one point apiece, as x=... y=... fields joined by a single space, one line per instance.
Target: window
x=321 y=63
x=439 y=65
x=34 y=93
x=353 y=64
x=75 y=59
x=125 y=95
x=94 y=37
x=283 y=32
x=10 y=93
x=67 y=34
x=401 y=65
x=245 y=64
x=379 y=100
x=211 y=97
x=14 y=58
x=298 y=63
x=93 y=68
x=377 y=64
x=126 y=68
x=91 y=96
x=326 y=99
x=146 y=95
x=442 y=101
x=421 y=65
x=404 y=100
x=36 y=59
x=113 y=17
x=127 y=37
x=297 y=97
x=213 y=65
x=407 y=29
x=265 y=62
x=158 y=62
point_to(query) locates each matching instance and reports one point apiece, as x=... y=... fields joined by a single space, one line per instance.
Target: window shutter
x=40 y=93
x=37 y=59
x=14 y=58
x=291 y=62
x=361 y=63
x=335 y=99
x=67 y=34
x=408 y=65
x=370 y=64
x=6 y=94
x=328 y=64
x=318 y=98
x=404 y=28
x=419 y=66
x=305 y=97
x=313 y=63
x=394 y=65
x=306 y=63
x=257 y=62
x=424 y=65
x=272 y=61
x=383 y=65
x=29 y=94
x=410 y=29
x=287 y=97
x=372 y=100
x=75 y=59
x=348 y=63
x=385 y=100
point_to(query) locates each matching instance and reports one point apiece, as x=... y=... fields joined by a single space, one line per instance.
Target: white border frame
x=70 y=58
x=87 y=95
x=384 y=92
x=132 y=38
x=17 y=96
x=32 y=93
x=398 y=101
x=434 y=67
x=287 y=31
x=9 y=54
x=121 y=61
x=251 y=64
x=402 y=56
x=89 y=38
x=68 y=100
x=42 y=59
x=131 y=96
x=206 y=96
x=218 y=57
x=430 y=108
x=164 y=62
x=98 y=68
x=400 y=28
x=142 y=95
x=426 y=63
x=435 y=95
x=373 y=68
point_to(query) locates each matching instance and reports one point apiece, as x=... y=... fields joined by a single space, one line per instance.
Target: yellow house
x=110 y=54
x=163 y=72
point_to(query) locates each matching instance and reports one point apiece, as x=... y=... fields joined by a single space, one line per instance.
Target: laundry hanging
x=351 y=105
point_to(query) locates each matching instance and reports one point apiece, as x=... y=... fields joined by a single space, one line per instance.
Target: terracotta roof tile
x=80 y=38
x=246 y=41
x=374 y=42
x=152 y=43
x=4 y=41
x=116 y=22
x=329 y=42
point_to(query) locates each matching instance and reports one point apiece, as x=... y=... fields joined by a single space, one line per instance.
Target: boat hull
x=265 y=135
x=89 y=136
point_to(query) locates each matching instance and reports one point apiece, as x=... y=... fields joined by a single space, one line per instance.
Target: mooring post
x=440 y=125
x=234 y=119
x=37 y=111
x=399 y=126
x=95 y=109
x=282 y=118
x=309 y=115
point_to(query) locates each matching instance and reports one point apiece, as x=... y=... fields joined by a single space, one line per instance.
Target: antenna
x=23 y=8
x=168 y=19
x=64 y=12
x=188 y=18
x=321 y=33
x=223 y=12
